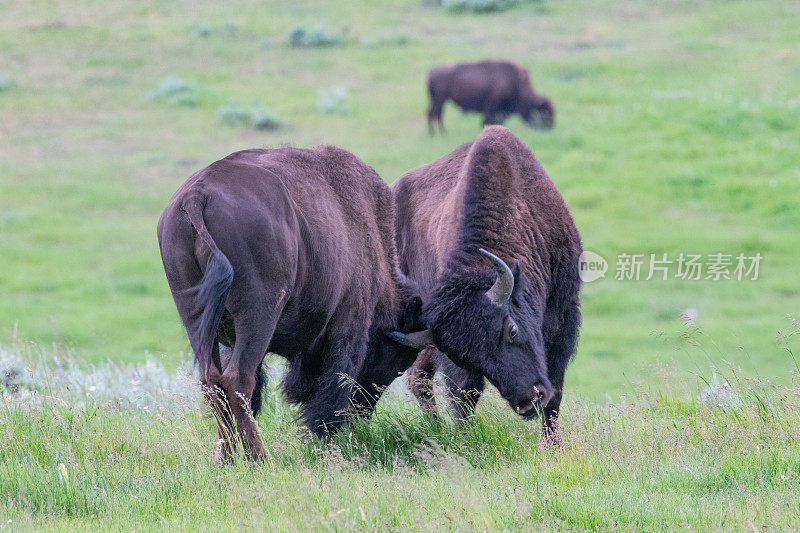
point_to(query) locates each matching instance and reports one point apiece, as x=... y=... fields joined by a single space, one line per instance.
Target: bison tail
x=210 y=296
x=211 y=299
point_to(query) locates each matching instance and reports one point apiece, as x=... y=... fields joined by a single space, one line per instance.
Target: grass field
x=83 y=454
x=677 y=129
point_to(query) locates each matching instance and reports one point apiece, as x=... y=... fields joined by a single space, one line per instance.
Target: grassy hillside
x=677 y=130
x=677 y=127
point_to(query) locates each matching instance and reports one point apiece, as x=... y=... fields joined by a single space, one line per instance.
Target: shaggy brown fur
x=289 y=251
x=491 y=193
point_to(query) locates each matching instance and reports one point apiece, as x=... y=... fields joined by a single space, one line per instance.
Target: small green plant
x=175 y=91
x=233 y=114
x=259 y=118
x=264 y=119
x=201 y=29
x=479 y=6
x=6 y=82
x=386 y=40
x=300 y=37
x=333 y=99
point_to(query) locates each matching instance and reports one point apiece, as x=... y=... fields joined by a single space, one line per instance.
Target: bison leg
x=465 y=389
x=558 y=357
x=491 y=118
x=419 y=380
x=232 y=393
x=555 y=372
x=369 y=389
x=322 y=381
x=261 y=378
x=435 y=115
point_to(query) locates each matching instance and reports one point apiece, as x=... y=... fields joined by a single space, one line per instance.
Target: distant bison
x=289 y=251
x=494 y=250
x=495 y=88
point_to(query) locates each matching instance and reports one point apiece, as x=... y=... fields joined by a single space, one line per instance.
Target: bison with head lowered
x=289 y=251
x=495 y=252
x=495 y=88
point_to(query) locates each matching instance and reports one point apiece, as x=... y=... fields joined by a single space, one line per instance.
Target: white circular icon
x=591 y=266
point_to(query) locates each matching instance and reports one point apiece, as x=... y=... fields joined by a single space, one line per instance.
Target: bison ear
x=411 y=297
x=409 y=289
x=518 y=281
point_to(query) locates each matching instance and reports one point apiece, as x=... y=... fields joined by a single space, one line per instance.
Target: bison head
x=474 y=320
x=540 y=113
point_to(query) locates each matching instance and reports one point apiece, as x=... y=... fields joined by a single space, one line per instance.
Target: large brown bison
x=289 y=251
x=495 y=88
x=512 y=317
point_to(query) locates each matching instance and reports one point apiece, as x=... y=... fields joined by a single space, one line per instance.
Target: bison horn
x=418 y=339
x=501 y=291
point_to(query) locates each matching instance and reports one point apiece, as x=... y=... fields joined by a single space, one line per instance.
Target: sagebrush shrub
x=386 y=40
x=333 y=99
x=233 y=114
x=300 y=37
x=174 y=90
x=6 y=82
x=264 y=119
x=479 y=6
x=260 y=117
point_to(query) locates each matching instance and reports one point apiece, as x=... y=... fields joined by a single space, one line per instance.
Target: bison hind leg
x=235 y=393
x=261 y=381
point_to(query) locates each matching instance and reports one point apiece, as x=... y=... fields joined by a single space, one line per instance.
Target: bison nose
x=533 y=402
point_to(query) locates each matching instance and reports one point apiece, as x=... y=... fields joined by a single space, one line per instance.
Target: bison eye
x=512 y=332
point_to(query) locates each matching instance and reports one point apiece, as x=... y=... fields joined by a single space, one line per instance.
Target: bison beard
x=490 y=194
x=496 y=89
x=289 y=251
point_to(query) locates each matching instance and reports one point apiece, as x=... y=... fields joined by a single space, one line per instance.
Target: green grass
x=676 y=131
x=677 y=128
x=138 y=457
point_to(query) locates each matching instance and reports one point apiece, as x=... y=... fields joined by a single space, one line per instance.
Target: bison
x=289 y=251
x=495 y=252
x=495 y=88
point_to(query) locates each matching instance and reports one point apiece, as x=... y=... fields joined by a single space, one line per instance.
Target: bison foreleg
x=435 y=115
x=419 y=380
x=558 y=357
x=465 y=389
x=325 y=381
